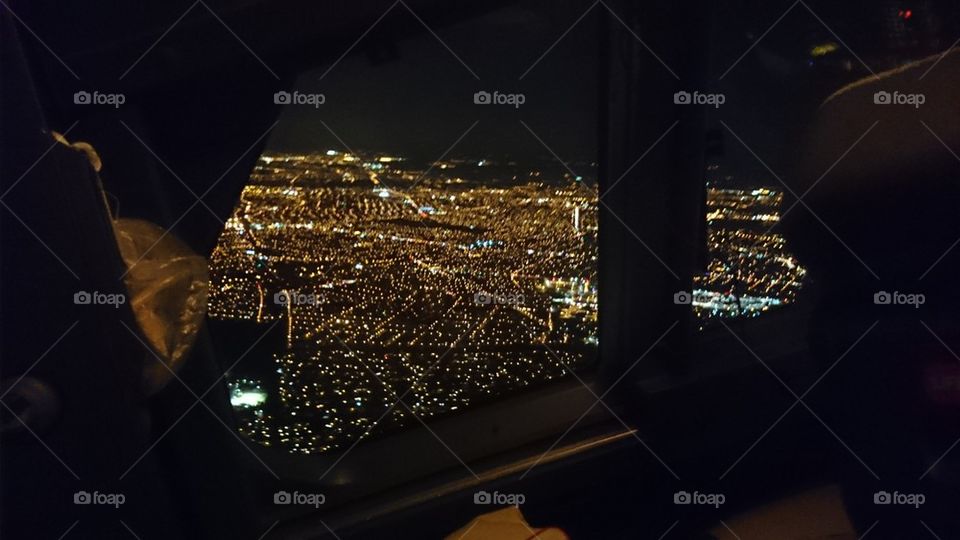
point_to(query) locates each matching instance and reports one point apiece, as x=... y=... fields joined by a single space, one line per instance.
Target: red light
x=905 y=14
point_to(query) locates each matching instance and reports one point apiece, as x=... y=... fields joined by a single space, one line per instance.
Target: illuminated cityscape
x=750 y=269
x=446 y=284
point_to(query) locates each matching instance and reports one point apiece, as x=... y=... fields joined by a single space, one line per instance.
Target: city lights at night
x=390 y=279
x=751 y=268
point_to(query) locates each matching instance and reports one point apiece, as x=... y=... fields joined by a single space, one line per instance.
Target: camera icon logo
x=682 y=497
x=682 y=98
x=482 y=98
x=882 y=98
x=282 y=98
x=482 y=299
x=82 y=497
x=482 y=497
x=882 y=298
x=282 y=497
x=281 y=298
x=882 y=497
x=82 y=298
x=82 y=98
x=682 y=298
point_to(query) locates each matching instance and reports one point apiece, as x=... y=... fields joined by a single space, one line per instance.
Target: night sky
x=419 y=101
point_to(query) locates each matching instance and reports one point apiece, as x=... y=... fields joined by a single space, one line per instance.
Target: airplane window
x=420 y=236
x=751 y=268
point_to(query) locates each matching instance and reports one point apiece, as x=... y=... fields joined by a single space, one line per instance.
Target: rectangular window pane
x=408 y=239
